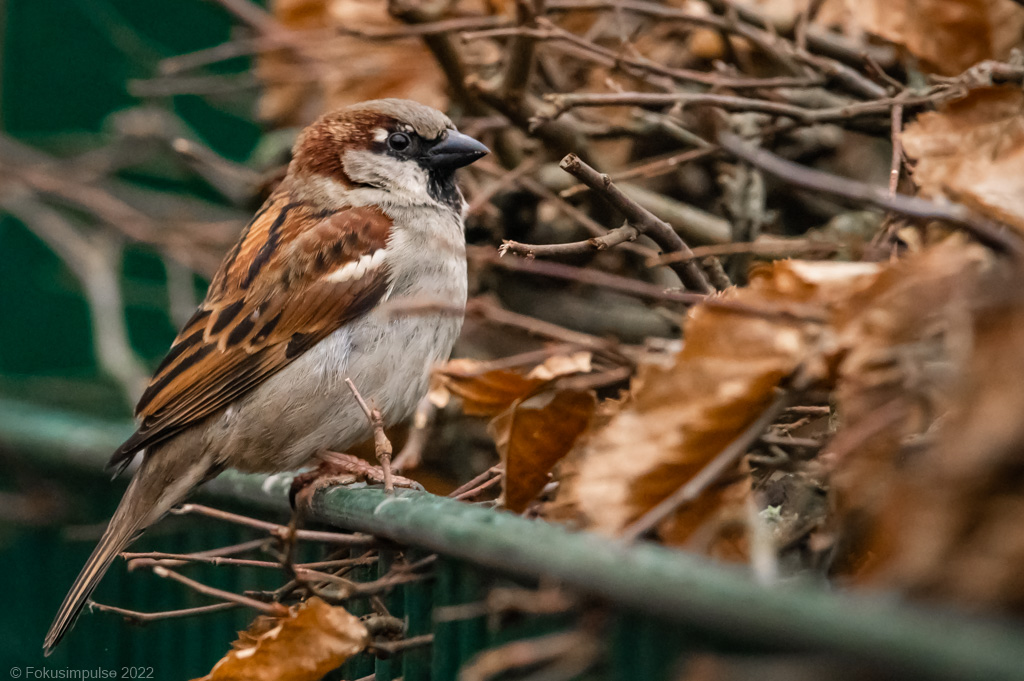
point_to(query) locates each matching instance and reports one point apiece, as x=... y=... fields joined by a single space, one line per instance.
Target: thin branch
x=592 y=277
x=521 y=52
x=497 y=315
x=645 y=221
x=619 y=235
x=381 y=443
x=273 y=528
x=320 y=39
x=389 y=648
x=563 y=102
x=897 y=149
x=494 y=472
x=819 y=39
x=148 y=559
x=649 y=169
x=577 y=215
x=443 y=49
x=993 y=234
x=550 y=32
x=504 y=181
x=482 y=487
x=767 y=247
x=709 y=474
x=411 y=454
x=273 y=609
x=145 y=617
x=802 y=314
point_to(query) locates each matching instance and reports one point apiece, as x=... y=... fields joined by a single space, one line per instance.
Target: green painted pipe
x=650 y=579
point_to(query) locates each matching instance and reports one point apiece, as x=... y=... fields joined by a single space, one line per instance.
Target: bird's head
x=405 y=149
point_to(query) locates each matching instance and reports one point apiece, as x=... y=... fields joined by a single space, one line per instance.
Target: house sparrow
x=369 y=212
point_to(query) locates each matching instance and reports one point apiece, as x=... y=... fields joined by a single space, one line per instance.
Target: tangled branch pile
x=747 y=276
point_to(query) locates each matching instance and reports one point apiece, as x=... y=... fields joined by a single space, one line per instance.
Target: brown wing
x=294 y=277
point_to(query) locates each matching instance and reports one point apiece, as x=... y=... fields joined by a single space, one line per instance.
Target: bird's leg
x=364 y=471
x=336 y=468
x=305 y=485
x=381 y=443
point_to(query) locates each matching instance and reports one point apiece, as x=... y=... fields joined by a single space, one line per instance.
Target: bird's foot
x=336 y=468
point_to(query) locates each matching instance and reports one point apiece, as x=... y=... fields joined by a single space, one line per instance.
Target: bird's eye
x=399 y=141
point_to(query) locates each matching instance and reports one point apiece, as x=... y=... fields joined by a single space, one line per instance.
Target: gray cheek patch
x=398 y=176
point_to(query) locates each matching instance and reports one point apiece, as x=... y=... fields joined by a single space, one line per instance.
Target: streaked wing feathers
x=272 y=299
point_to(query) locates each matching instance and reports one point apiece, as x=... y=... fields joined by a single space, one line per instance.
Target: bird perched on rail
x=368 y=213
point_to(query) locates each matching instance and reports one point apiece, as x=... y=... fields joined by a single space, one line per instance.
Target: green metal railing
x=662 y=604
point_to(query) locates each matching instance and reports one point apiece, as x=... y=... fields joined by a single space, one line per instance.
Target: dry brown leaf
x=972 y=151
x=314 y=639
x=533 y=427
x=786 y=11
x=533 y=435
x=489 y=392
x=678 y=419
x=348 y=69
x=929 y=465
x=483 y=392
x=946 y=35
x=562 y=365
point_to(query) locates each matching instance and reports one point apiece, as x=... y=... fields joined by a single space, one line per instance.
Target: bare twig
x=505 y=180
x=497 y=315
x=563 y=102
x=768 y=247
x=646 y=222
x=381 y=443
x=591 y=276
x=482 y=487
x=567 y=655
x=494 y=472
x=707 y=475
x=897 y=149
x=273 y=528
x=576 y=215
x=548 y=31
x=624 y=234
x=411 y=453
x=993 y=234
x=389 y=648
x=650 y=168
x=442 y=47
x=320 y=39
x=521 y=52
x=274 y=609
x=794 y=313
x=144 y=617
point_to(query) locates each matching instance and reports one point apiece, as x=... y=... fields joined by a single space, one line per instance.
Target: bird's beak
x=455 y=151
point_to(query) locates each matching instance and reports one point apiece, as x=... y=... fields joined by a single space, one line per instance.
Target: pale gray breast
x=388 y=354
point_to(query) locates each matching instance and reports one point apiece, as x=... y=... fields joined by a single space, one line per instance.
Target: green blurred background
x=67 y=66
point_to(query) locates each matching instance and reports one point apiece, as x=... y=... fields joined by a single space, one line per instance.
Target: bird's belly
x=308 y=407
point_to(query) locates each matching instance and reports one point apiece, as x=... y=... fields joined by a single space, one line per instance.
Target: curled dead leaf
x=347 y=68
x=484 y=392
x=314 y=639
x=534 y=425
x=947 y=35
x=972 y=151
x=533 y=435
x=929 y=464
x=678 y=419
x=562 y=365
x=488 y=392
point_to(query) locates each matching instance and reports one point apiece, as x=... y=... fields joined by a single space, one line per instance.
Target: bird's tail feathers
x=142 y=505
